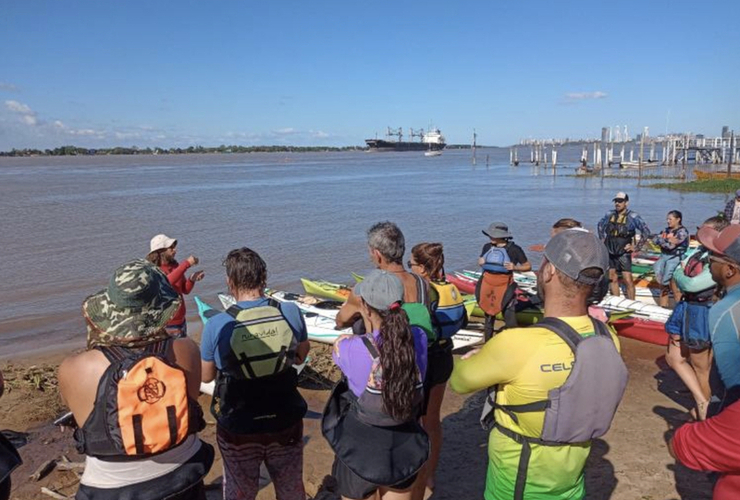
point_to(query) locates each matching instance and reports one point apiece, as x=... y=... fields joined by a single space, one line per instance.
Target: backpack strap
x=562 y=329
x=370 y=347
x=115 y=353
x=422 y=295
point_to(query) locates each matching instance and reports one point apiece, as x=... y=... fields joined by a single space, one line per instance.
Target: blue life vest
x=494 y=260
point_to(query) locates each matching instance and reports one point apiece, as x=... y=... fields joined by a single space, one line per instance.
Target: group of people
x=134 y=391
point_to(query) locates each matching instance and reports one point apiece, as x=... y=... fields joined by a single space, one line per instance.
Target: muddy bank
x=630 y=462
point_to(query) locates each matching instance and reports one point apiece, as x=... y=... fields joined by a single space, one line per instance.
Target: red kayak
x=463 y=283
x=646 y=330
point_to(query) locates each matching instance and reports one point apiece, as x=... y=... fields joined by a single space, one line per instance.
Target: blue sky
x=183 y=73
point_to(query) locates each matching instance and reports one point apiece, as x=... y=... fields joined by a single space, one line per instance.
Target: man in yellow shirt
x=528 y=363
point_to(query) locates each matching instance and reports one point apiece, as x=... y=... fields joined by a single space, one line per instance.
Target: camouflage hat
x=133 y=310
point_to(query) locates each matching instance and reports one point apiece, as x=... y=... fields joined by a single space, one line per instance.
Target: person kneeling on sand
x=538 y=449
x=251 y=350
x=372 y=418
x=135 y=392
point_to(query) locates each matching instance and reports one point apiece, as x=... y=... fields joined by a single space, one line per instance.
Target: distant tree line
x=78 y=151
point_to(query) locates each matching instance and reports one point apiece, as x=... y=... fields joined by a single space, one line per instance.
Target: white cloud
x=285 y=131
x=25 y=113
x=582 y=96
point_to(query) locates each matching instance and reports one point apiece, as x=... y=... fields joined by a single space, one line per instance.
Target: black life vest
x=618 y=232
x=257 y=388
x=392 y=451
x=141 y=408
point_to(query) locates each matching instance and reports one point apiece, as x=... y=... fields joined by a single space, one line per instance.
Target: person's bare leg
x=676 y=292
x=701 y=361
x=676 y=357
x=614 y=282
x=663 y=300
x=629 y=285
x=432 y=423
x=390 y=494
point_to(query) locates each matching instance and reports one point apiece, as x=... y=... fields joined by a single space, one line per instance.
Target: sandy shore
x=630 y=462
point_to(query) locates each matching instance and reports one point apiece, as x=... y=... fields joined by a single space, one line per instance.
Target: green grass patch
x=703 y=186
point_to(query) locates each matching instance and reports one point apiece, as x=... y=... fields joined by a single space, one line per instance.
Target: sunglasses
x=412 y=264
x=619 y=200
x=721 y=260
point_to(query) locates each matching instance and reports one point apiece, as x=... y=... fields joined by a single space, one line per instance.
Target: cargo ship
x=432 y=140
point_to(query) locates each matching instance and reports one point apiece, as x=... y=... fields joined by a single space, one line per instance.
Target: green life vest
x=419 y=316
x=262 y=342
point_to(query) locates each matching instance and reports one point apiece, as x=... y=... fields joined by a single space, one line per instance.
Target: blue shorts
x=664 y=268
x=690 y=320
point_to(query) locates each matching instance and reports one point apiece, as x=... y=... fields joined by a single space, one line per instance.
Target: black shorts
x=621 y=263
x=439 y=367
x=351 y=485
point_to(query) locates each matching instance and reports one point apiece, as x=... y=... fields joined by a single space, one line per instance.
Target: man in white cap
x=162 y=251
x=732 y=209
x=617 y=229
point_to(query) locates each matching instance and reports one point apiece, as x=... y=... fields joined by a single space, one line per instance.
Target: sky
x=334 y=73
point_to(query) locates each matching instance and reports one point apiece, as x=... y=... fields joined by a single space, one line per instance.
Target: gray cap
x=380 y=289
x=497 y=230
x=571 y=252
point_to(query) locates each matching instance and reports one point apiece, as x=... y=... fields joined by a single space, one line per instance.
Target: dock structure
x=617 y=150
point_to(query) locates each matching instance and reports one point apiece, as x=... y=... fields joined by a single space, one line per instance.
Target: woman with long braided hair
x=372 y=419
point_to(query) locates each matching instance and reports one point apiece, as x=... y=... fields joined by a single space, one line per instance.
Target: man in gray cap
x=732 y=209
x=617 y=229
x=529 y=364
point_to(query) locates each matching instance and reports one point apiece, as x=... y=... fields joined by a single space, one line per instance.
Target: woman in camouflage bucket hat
x=133 y=310
x=128 y=317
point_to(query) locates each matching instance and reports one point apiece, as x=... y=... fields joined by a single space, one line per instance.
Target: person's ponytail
x=398 y=361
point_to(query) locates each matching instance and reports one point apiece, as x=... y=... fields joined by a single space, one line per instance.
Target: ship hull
x=381 y=145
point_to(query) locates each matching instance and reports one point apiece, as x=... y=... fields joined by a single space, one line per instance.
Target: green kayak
x=326 y=289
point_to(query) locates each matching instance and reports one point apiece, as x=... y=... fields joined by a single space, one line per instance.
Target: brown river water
x=66 y=223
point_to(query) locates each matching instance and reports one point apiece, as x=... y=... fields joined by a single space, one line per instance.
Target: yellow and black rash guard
x=526 y=363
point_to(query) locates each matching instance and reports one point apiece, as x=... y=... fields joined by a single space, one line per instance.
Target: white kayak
x=641 y=309
x=320 y=322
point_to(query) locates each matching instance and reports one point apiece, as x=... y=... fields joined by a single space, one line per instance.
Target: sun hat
x=497 y=230
x=621 y=196
x=572 y=252
x=133 y=310
x=161 y=242
x=380 y=289
x=725 y=242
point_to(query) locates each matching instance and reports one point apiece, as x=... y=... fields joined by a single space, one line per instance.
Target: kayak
x=206 y=312
x=321 y=319
x=320 y=288
x=645 y=330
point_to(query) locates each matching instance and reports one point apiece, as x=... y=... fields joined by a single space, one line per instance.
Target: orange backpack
x=141 y=407
x=491 y=292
